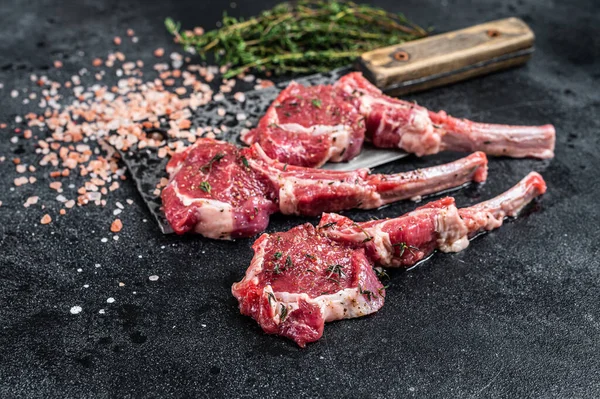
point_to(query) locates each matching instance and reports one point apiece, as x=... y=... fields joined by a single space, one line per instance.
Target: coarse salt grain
x=153 y=278
x=116 y=226
x=104 y=239
x=31 y=201
x=19 y=181
x=76 y=309
x=239 y=97
x=110 y=300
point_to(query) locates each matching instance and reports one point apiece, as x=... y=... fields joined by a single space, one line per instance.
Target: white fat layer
x=371 y=199
x=414 y=135
x=252 y=273
x=344 y=304
x=172 y=171
x=215 y=218
x=288 y=201
x=339 y=135
x=256 y=266
x=452 y=231
x=381 y=241
x=340 y=141
x=246 y=137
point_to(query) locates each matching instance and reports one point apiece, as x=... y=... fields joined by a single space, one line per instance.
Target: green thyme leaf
x=205 y=186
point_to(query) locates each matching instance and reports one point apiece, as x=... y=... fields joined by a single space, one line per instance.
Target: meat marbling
x=302 y=278
x=221 y=191
x=308 y=126
x=388 y=123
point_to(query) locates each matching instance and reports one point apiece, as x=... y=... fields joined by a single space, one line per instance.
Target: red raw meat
x=308 y=126
x=393 y=123
x=302 y=278
x=221 y=191
x=296 y=131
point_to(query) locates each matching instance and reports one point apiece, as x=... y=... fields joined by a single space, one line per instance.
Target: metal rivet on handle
x=493 y=33
x=401 y=56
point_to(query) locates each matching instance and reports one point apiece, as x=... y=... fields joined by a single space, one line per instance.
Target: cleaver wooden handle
x=449 y=57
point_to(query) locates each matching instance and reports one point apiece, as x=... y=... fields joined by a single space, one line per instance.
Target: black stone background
x=515 y=315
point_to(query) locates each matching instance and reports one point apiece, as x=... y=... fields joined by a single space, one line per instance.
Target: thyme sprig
x=403 y=246
x=335 y=269
x=205 y=186
x=299 y=37
x=208 y=166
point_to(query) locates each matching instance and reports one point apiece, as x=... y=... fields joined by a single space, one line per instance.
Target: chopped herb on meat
x=205 y=186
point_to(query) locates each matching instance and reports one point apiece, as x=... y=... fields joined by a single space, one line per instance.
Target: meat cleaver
x=400 y=69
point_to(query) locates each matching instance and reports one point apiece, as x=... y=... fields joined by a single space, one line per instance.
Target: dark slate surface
x=515 y=315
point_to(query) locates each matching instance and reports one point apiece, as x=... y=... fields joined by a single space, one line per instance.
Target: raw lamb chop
x=391 y=123
x=300 y=279
x=221 y=191
x=308 y=126
x=312 y=125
